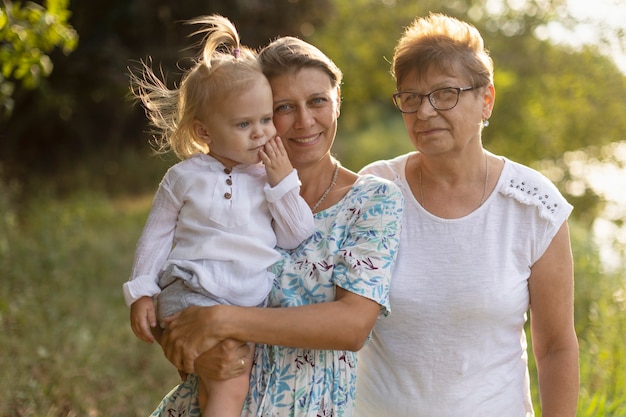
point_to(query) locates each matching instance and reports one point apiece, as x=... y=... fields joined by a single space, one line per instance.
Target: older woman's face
x=306 y=107
x=438 y=131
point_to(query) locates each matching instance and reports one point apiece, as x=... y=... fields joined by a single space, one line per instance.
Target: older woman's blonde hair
x=445 y=43
x=223 y=66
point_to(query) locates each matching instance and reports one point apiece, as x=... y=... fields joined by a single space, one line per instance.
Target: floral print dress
x=353 y=246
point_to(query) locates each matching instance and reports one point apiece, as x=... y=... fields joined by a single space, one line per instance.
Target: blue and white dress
x=353 y=246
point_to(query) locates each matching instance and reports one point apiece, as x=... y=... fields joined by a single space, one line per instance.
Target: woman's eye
x=318 y=101
x=410 y=98
x=283 y=108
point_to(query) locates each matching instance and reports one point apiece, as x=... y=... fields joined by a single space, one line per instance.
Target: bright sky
x=609 y=14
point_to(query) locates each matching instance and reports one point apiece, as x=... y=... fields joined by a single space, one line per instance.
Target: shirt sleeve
x=153 y=246
x=293 y=219
x=366 y=258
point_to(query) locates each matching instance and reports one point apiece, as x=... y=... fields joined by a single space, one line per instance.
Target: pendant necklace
x=482 y=200
x=330 y=187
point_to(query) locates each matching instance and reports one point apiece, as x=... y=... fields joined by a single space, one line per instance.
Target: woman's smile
x=307 y=140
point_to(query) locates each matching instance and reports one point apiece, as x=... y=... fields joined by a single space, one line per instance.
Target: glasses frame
x=459 y=90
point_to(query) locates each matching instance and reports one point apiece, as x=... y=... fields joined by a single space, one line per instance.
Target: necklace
x=330 y=187
x=482 y=199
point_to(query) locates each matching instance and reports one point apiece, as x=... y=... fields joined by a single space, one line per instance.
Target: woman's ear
x=201 y=131
x=338 y=101
x=489 y=99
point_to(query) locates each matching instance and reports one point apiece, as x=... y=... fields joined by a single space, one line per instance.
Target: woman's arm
x=343 y=324
x=554 y=341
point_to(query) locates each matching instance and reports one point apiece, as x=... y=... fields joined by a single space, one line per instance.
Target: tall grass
x=66 y=348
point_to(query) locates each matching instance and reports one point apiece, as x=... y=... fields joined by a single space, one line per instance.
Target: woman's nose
x=304 y=118
x=425 y=108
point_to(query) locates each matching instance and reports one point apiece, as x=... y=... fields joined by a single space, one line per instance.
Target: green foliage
x=543 y=110
x=381 y=136
x=601 y=328
x=28 y=33
x=66 y=344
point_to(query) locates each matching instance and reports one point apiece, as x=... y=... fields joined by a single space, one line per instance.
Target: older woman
x=329 y=291
x=484 y=240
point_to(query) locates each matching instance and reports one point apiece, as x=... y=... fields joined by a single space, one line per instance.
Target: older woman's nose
x=425 y=109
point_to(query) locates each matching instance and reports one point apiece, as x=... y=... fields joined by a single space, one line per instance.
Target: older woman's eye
x=410 y=98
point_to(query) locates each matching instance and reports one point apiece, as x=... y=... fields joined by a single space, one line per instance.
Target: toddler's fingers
x=152 y=318
x=139 y=330
x=264 y=157
x=270 y=148
x=279 y=148
x=146 y=333
x=278 y=143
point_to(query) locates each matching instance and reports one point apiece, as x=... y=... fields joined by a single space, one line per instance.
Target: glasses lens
x=407 y=102
x=444 y=99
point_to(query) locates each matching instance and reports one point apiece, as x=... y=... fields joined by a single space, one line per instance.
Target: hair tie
x=236 y=52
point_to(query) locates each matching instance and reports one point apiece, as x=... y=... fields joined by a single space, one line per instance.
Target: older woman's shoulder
x=391 y=169
x=529 y=186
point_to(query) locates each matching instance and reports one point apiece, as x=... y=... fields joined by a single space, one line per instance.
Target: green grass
x=66 y=348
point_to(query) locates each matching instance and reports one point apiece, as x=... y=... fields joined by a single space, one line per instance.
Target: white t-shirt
x=454 y=344
x=223 y=225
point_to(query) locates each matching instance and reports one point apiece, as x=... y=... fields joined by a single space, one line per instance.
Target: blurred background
x=77 y=173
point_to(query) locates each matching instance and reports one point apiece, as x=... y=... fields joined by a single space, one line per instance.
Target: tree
x=82 y=113
x=28 y=33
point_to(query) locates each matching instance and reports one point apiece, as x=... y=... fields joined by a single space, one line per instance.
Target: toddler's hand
x=276 y=161
x=142 y=318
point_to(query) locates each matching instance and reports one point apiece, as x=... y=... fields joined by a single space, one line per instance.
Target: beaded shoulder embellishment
x=531 y=194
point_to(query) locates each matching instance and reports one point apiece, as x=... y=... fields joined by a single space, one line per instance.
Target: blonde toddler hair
x=223 y=66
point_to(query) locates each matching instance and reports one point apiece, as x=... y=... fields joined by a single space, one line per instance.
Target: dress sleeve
x=293 y=219
x=366 y=257
x=153 y=246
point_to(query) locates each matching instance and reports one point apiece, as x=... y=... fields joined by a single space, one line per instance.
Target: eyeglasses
x=441 y=99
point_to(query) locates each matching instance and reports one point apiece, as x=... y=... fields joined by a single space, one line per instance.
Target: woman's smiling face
x=306 y=108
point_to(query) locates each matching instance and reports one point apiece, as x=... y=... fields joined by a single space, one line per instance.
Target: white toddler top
x=224 y=225
x=454 y=344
